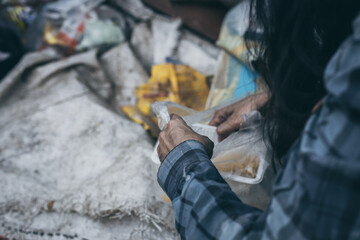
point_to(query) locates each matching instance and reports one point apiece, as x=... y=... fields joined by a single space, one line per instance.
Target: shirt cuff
x=172 y=172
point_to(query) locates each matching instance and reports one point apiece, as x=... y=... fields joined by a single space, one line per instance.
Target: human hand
x=177 y=132
x=229 y=119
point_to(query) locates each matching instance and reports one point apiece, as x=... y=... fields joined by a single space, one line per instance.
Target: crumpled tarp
x=68 y=164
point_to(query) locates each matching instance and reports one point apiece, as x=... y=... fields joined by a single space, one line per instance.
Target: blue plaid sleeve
x=205 y=206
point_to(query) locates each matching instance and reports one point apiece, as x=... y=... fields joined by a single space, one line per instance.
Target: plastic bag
x=242 y=159
x=163 y=109
x=241 y=156
x=162 y=113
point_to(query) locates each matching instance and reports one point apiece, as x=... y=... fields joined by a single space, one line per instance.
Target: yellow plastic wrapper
x=169 y=82
x=50 y=35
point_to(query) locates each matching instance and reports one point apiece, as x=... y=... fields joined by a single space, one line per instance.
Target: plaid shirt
x=315 y=196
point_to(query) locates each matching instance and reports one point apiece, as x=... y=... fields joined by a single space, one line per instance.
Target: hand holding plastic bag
x=242 y=158
x=162 y=113
x=231 y=118
x=177 y=132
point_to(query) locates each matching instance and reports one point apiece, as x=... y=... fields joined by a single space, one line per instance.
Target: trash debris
x=42 y=73
x=189 y=53
x=156 y=41
x=209 y=48
x=143 y=44
x=65 y=21
x=177 y=83
x=21 y=16
x=125 y=71
x=233 y=80
x=50 y=204
x=107 y=13
x=11 y=80
x=134 y=7
x=59 y=127
x=234 y=31
x=100 y=32
x=165 y=38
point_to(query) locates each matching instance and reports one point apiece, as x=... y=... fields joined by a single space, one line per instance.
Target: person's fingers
x=229 y=126
x=166 y=144
x=177 y=121
x=215 y=120
x=160 y=148
x=166 y=127
x=176 y=132
x=174 y=116
x=243 y=124
x=159 y=151
x=219 y=117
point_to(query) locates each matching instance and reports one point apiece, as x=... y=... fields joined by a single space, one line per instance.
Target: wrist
x=172 y=171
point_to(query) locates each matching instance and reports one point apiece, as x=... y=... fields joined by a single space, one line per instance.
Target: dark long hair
x=300 y=37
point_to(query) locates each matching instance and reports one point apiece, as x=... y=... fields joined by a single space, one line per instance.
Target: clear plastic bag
x=163 y=110
x=242 y=159
x=162 y=113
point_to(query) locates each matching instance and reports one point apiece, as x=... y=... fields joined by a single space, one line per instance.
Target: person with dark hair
x=310 y=59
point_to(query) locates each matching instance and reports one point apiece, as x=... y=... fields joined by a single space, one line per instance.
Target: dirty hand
x=176 y=132
x=229 y=119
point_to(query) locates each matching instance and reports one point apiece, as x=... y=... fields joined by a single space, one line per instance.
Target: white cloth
x=58 y=143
